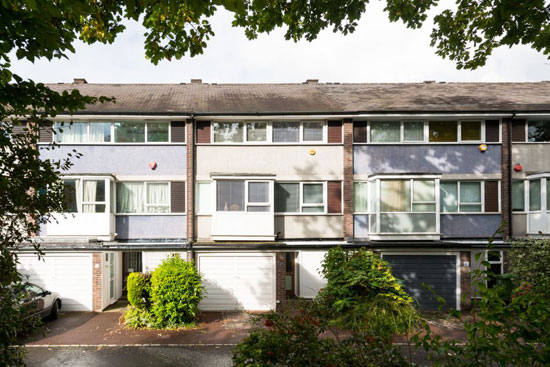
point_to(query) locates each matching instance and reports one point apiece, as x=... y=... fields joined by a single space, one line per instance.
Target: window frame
x=482 y=198
x=145 y=204
x=82 y=202
x=197 y=197
x=113 y=131
x=544 y=211
x=301 y=199
x=527 y=131
x=246 y=203
x=109 y=193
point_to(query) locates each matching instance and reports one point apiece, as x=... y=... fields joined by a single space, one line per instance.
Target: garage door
x=70 y=275
x=238 y=281
x=437 y=271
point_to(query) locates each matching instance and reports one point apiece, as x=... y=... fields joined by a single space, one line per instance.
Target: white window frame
x=301 y=198
x=248 y=203
x=197 y=198
x=527 y=131
x=145 y=204
x=482 y=196
x=493 y=262
x=482 y=132
x=544 y=209
x=525 y=197
x=80 y=190
x=368 y=197
x=82 y=202
x=214 y=195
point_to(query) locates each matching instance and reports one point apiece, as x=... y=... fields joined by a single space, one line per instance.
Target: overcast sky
x=378 y=51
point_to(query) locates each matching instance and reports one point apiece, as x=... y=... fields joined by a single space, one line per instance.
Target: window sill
x=149 y=214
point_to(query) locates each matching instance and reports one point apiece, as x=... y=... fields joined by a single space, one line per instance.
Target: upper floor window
x=263 y=132
x=242 y=196
x=538 y=130
x=142 y=197
x=455 y=131
x=461 y=196
x=85 y=195
x=300 y=197
x=518 y=195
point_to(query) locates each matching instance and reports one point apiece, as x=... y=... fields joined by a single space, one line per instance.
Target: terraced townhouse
x=255 y=182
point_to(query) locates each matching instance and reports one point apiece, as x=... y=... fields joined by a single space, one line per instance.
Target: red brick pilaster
x=348 y=178
x=465 y=280
x=280 y=286
x=506 y=182
x=97 y=281
x=190 y=156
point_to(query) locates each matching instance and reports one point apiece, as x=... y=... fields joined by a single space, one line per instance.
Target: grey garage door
x=437 y=271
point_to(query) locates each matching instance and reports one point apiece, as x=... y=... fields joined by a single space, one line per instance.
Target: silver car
x=41 y=302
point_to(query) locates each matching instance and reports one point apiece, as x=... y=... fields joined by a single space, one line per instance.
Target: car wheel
x=55 y=309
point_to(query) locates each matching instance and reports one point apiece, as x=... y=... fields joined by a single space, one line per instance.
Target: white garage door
x=238 y=281
x=70 y=275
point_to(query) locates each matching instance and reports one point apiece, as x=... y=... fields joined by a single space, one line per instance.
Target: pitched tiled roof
x=316 y=98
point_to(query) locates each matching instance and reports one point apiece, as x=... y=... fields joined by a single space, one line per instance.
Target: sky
x=378 y=51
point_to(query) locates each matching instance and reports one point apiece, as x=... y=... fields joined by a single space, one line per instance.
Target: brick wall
x=465 y=280
x=190 y=156
x=280 y=272
x=97 y=281
x=348 y=178
x=506 y=182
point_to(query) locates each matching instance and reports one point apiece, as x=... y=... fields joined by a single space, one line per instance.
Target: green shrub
x=139 y=287
x=139 y=318
x=176 y=291
x=529 y=261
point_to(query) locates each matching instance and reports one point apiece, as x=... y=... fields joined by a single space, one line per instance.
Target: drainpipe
x=507 y=178
x=191 y=168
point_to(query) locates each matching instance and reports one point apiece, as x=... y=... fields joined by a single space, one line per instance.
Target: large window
x=300 y=197
x=82 y=132
x=135 y=197
x=443 y=131
x=129 y=132
x=85 y=196
x=538 y=200
x=385 y=131
x=108 y=132
x=538 y=130
x=239 y=132
x=242 y=195
x=461 y=196
x=286 y=132
x=518 y=195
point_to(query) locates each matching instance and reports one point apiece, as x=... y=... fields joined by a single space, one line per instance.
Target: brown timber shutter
x=492 y=133
x=177 y=133
x=203 y=132
x=491 y=196
x=177 y=197
x=335 y=132
x=46 y=134
x=334 y=189
x=19 y=126
x=359 y=131
x=518 y=130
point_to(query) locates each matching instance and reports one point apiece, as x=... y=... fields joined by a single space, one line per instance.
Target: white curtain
x=130 y=198
x=100 y=132
x=157 y=198
x=75 y=133
x=89 y=191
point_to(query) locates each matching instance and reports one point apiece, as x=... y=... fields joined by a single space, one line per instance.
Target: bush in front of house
x=176 y=290
x=139 y=288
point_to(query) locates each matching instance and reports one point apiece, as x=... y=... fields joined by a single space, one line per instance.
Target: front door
x=132 y=264
x=111 y=261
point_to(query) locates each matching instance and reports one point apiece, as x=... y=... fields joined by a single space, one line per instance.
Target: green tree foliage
x=176 y=290
x=139 y=289
x=362 y=294
x=529 y=263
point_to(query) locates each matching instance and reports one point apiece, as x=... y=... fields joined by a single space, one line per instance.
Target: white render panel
x=243 y=225
x=83 y=225
x=311 y=280
x=237 y=281
x=286 y=162
x=152 y=259
x=69 y=274
x=310 y=226
x=529 y=156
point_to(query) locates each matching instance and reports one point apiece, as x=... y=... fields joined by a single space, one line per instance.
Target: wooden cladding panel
x=491 y=196
x=335 y=132
x=177 y=133
x=492 y=131
x=334 y=193
x=360 y=132
x=177 y=197
x=518 y=130
x=46 y=135
x=203 y=132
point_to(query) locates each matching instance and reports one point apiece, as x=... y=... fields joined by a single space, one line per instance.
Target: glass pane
x=360 y=197
x=157 y=131
x=93 y=191
x=70 y=195
x=203 y=197
x=395 y=196
x=423 y=207
x=258 y=208
x=286 y=132
x=129 y=132
x=538 y=130
x=313 y=194
x=518 y=196
x=93 y=208
x=100 y=132
x=230 y=196
x=470 y=207
x=443 y=131
x=158 y=197
x=228 y=132
x=470 y=130
x=313 y=131
x=76 y=132
x=130 y=197
x=407 y=222
x=385 y=131
x=258 y=192
x=313 y=209
x=448 y=197
x=423 y=190
x=548 y=194
x=372 y=223
x=256 y=131
x=287 y=197
x=373 y=197
x=413 y=131
x=534 y=195
x=470 y=192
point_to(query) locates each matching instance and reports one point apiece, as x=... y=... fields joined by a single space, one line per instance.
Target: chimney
x=79 y=81
x=312 y=81
x=196 y=81
x=429 y=81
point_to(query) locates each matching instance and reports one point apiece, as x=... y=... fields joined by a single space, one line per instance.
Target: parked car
x=41 y=302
